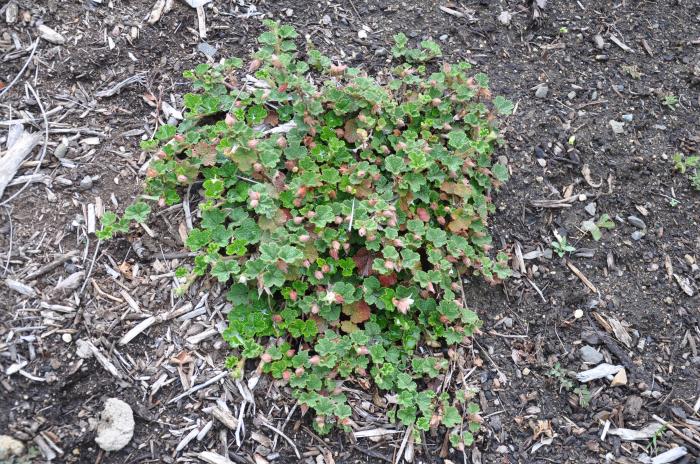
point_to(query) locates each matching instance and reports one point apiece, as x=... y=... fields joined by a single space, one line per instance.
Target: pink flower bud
x=266 y=358
x=286 y=375
x=325 y=268
x=230 y=119
x=161 y=202
x=252 y=143
x=179 y=138
x=318 y=274
x=182 y=178
x=254 y=203
x=315 y=309
x=253 y=195
x=298 y=220
x=315 y=360
x=389 y=264
x=304 y=238
x=281 y=142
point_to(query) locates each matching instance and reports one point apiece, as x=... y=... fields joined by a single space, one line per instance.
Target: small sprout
x=670 y=101
x=560 y=246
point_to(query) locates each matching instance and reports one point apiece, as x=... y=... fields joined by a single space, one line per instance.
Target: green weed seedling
x=340 y=213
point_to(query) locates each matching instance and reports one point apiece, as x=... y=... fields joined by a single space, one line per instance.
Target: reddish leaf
x=388 y=280
x=205 y=152
x=350 y=130
x=363 y=261
x=272 y=119
x=359 y=311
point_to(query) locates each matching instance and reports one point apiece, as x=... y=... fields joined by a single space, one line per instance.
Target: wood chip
x=49 y=35
x=213 y=458
x=13 y=158
x=620 y=44
x=598 y=372
x=635 y=435
x=225 y=417
x=20 y=287
x=620 y=332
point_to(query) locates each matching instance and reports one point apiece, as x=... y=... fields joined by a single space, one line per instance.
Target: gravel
x=637 y=222
x=542 y=91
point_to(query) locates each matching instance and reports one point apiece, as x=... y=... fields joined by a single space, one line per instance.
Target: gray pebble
x=599 y=42
x=508 y=322
x=571 y=95
x=617 y=126
x=86 y=183
x=207 y=49
x=628 y=117
x=590 y=208
x=380 y=52
x=326 y=20
x=637 y=222
x=637 y=235
x=590 y=337
x=542 y=91
x=444 y=37
x=590 y=355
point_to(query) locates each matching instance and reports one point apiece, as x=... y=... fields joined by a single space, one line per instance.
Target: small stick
x=201 y=22
x=281 y=434
x=51 y=266
x=21 y=71
x=677 y=432
x=43 y=148
x=583 y=278
x=214 y=379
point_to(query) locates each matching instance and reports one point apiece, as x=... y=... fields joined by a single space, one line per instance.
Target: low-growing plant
x=560 y=246
x=594 y=227
x=340 y=211
x=689 y=165
x=670 y=101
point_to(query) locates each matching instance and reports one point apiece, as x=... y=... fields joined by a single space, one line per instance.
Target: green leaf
x=324 y=215
x=138 y=212
x=451 y=417
x=500 y=172
x=394 y=164
x=290 y=254
x=503 y=105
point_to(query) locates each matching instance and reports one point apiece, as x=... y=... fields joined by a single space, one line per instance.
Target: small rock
x=637 y=222
x=505 y=18
x=542 y=162
x=207 y=49
x=633 y=405
x=49 y=35
x=362 y=34
x=9 y=447
x=67 y=338
x=11 y=13
x=326 y=20
x=617 y=126
x=495 y=423
x=571 y=95
x=619 y=379
x=590 y=208
x=289 y=12
x=628 y=117
x=380 y=52
x=637 y=235
x=583 y=197
x=444 y=37
x=542 y=91
x=590 y=337
x=590 y=355
x=508 y=322
x=116 y=426
x=598 y=41
x=86 y=183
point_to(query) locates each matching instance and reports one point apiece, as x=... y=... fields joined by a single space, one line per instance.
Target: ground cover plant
x=341 y=211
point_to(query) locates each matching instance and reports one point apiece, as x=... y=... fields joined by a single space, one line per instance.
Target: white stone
x=48 y=34
x=10 y=447
x=116 y=427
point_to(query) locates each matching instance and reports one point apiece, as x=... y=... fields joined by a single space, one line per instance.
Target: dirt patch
x=530 y=323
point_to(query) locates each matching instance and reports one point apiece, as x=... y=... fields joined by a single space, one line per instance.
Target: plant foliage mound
x=340 y=211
